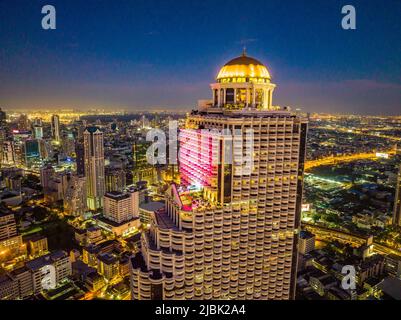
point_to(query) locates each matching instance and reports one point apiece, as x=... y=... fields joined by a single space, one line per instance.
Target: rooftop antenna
x=244 y=51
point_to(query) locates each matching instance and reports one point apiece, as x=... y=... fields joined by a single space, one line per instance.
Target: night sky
x=163 y=54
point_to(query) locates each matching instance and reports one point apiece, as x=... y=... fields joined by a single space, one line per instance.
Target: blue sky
x=136 y=54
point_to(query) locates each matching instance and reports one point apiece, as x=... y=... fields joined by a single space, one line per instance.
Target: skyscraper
x=115 y=179
x=38 y=132
x=75 y=201
x=23 y=123
x=94 y=167
x=8 y=153
x=3 y=116
x=120 y=207
x=55 y=127
x=397 y=201
x=230 y=230
x=31 y=152
x=38 y=128
x=80 y=158
x=47 y=173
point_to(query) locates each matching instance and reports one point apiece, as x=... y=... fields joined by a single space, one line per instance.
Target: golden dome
x=243 y=67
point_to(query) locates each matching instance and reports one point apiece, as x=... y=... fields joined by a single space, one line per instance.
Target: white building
x=120 y=207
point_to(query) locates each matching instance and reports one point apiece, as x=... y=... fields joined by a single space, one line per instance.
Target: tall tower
x=397 y=201
x=80 y=158
x=230 y=230
x=94 y=167
x=3 y=116
x=55 y=127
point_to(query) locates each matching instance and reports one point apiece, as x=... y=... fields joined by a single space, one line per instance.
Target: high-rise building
x=32 y=152
x=3 y=116
x=115 y=179
x=80 y=158
x=231 y=230
x=10 y=241
x=397 y=201
x=60 y=260
x=8 y=154
x=68 y=144
x=121 y=207
x=46 y=175
x=94 y=167
x=38 y=128
x=8 y=227
x=38 y=246
x=79 y=126
x=75 y=200
x=55 y=127
x=23 y=123
x=306 y=242
x=38 y=131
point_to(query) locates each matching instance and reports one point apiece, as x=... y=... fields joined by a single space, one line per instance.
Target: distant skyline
x=164 y=54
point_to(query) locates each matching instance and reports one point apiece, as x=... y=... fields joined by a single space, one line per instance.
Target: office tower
x=3 y=116
x=38 y=132
x=55 y=127
x=8 y=154
x=10 y=242
x=94 y=167
x=43 y=149
x=23 y=123
x=13 y=178
x=23 y=278
x=75 y=200
x=8 y=227
x=121 y=207
x=38 y=122
x=115 y=179
x=38 y=246
x=68 y=144
x=139 y=149
x=306 y=242
x=31 y=279
x=79 y=126
x=32 y=152
x=60 y=260
x=38 y=128
x=231 y=230
x=46 y=174
x=80 y=158
x=397 y=201
x=57 y=187
x=3 y=137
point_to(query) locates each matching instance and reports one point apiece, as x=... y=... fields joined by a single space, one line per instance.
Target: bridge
x=325 y=234
x=343 y=159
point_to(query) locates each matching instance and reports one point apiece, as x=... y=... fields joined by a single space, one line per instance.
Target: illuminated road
x=329 y=234
x=342 y=159
x=362 y=133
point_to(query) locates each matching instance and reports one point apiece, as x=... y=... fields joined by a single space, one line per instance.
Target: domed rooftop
x=243 y=67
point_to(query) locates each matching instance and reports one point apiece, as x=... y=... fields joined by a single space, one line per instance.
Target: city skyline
x=123 y=56
x=215 y=152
